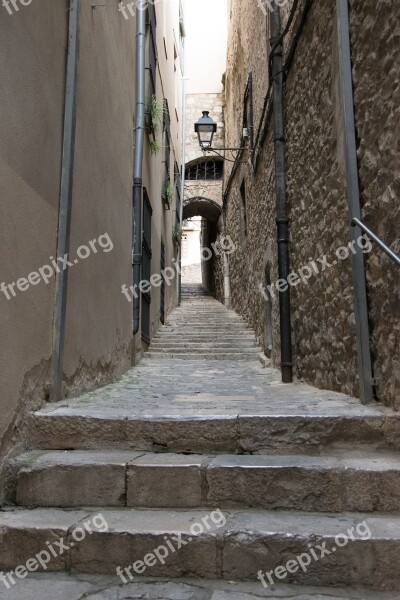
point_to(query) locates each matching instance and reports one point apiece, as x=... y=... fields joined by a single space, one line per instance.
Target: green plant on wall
x=154 y=114
x=155 y=147
x=177 y=233
x=168 y=192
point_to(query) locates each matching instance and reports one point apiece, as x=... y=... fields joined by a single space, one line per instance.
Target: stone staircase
x=215 y=456
x=203 y=328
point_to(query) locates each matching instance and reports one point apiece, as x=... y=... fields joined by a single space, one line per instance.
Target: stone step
x=226 y=329
x=77 y=586
x=198 y=324
x=209 y=346
x=219 y=325
x=203 y=337
x=193 y=308
x=213 y=355
x=207 y=349
x=209 y=312
x=351 y=481
x=348 y=549
x=219 y=426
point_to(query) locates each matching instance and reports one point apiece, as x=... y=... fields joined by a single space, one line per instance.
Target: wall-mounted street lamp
x=205 y=129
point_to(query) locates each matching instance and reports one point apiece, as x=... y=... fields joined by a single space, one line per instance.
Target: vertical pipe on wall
x=65 y=206
x=353 y=198
x=282 y=220
x=138 y=156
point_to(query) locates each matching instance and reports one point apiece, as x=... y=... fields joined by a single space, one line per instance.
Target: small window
x=178 y=181
x=167 y=139
x=152 y=23
x=208 y=170
x=243 y=212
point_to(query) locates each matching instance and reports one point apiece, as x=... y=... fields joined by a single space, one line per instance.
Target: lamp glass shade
x=205 y=129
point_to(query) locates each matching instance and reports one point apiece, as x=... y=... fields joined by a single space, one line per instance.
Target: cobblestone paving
x=171 y=386
x=210 y=386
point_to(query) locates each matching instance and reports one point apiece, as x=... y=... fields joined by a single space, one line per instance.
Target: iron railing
x=376 y=239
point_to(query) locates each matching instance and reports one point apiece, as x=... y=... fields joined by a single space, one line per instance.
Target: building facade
x=323 y=320
x=35 y=54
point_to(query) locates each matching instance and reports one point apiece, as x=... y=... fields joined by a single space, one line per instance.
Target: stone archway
x=211 y=267
x=199 y=206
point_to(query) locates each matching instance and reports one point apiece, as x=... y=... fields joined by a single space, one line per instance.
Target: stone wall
x=255 y=255
x=376 y=59
x=207 y=189
x=195 y=105
x=324 y=339
x=323 y=318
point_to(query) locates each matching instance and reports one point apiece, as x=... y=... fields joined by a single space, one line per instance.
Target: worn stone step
x=203 y=349
x=195 y=326
x=226 y=327
x=203 y=337
x=351 y=481
x=222 y=425
x=196 y=345
x=77 y=586
x=206 y=315
x=221 y=334
x=214 y=355
x=205 y=311
x=211 y=311
x=350 y=549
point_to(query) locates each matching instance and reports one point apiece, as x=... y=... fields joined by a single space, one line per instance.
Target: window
x=208 y=170
x=181 y=38
x=243 y=212
x=248 y=116
x=162 y=289
x=167 y=139
x=146 y=265
x=152 y=23
x=268 y=337
x=177 y=177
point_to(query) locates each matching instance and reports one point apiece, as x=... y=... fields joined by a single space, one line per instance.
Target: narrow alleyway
x=199 y=428
x=202 y=328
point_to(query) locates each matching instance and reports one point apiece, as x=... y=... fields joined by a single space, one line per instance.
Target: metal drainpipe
x=353 y=197
x=65 y=207
x=282 y=220
x=138 y=156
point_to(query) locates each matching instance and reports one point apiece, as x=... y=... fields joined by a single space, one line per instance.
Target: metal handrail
x=371 y=234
